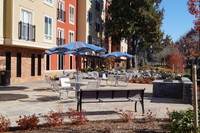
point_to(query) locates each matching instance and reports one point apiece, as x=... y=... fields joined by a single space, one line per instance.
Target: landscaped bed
x=108 y=126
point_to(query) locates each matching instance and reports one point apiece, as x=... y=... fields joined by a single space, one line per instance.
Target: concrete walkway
x=38 y=98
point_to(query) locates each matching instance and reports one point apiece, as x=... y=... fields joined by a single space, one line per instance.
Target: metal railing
x=26 y=31
x=61 y=15
x=60 y=41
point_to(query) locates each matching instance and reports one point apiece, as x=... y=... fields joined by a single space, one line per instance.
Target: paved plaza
x=38 y=98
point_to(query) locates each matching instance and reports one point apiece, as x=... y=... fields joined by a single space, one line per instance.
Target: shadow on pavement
x=48 y=98
x=11 y=97
x=42 y=89
x=100 y=112
x=165 y=100
x=12 y=88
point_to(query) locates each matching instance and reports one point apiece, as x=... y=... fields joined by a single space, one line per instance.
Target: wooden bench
x=110 y=95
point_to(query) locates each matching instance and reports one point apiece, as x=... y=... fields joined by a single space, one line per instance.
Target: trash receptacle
x=5 y=77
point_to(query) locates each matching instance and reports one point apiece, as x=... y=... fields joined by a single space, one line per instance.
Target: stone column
x=187 y=90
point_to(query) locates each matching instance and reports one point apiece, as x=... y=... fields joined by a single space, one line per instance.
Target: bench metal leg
x=142 y=104
x=135 y=106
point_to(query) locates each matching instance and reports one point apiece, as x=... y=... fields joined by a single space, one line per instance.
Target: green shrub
x=181 y=121
x=187 y=75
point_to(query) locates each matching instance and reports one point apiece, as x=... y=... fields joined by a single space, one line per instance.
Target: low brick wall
x=177 y=89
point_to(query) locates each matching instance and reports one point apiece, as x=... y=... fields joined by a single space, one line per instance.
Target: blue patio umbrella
x=117 y=55
x=76 y=48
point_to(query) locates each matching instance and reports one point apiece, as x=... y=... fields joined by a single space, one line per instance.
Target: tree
x=189 y=43
x=176 y=62
x=139 y=21
x=194 y=9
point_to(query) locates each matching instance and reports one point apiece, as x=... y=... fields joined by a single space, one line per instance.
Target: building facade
x=65 y=33
x=27 y=29
x=90 y=28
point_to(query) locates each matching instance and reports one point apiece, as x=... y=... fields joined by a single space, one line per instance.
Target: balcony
x=26 y=31
x=61 y=15
x=60 y=41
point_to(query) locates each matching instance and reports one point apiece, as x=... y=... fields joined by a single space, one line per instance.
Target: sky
x=177 y=19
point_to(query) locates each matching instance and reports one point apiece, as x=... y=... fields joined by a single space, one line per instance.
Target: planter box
x=181 y=89
x=172 y=89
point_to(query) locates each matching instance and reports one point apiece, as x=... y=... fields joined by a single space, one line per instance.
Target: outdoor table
x=77 y=85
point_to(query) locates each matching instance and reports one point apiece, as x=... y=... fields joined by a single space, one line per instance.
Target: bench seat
x=111 y=95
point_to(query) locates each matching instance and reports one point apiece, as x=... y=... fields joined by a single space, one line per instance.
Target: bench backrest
x=112 y=94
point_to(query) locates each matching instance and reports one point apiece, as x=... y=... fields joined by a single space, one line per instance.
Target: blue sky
x=177 y=20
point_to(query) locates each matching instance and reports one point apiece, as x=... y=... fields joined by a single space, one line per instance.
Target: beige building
x=27 y=29
x=90 y=26
x=91 y=21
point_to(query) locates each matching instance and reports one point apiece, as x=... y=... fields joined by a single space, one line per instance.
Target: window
x=60 y=38
x=47 y=62
x=47 y=28
x=60 y=62
x=90 y=18
x=39 y=64
x=19 y=64
x=71 y=36
x=60 y=11
x=48 y=1
x=70 y=59
x=97 y=24
x=33 y=65
x=26 y=29
x=90 y=39
x=97 y=5
x=71 y=14
x=8 y=60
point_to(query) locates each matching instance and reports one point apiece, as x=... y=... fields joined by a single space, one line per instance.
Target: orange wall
x=67 y=27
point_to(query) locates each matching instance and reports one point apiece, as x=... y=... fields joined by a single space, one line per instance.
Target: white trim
x=58 y=28
x=1 y=41
x=70 y=31
x=29 y=43
x=47 y=3
x=63 y=3
x=69 y=14
x=45 y=40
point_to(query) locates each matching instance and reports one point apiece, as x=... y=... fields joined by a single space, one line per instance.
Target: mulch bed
x=108 y=126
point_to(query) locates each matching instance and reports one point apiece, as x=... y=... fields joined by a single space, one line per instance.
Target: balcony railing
x=61 y=15
x=26 y=31
x=60 y=41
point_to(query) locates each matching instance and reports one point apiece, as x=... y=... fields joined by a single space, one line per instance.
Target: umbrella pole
x=63 y=64
x=77 y=68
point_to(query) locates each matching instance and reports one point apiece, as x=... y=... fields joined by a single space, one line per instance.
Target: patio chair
x=92 y=85
x=95 y=74
x=65 y=83
x=98 y=82
x=123 y=80
x=48 y=80
x=111 y=80
x=71 y=75
x=61 y=90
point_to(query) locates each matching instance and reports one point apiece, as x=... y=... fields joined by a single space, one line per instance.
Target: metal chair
x=111 y=80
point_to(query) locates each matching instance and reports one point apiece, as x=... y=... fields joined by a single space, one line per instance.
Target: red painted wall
x=67 y=27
